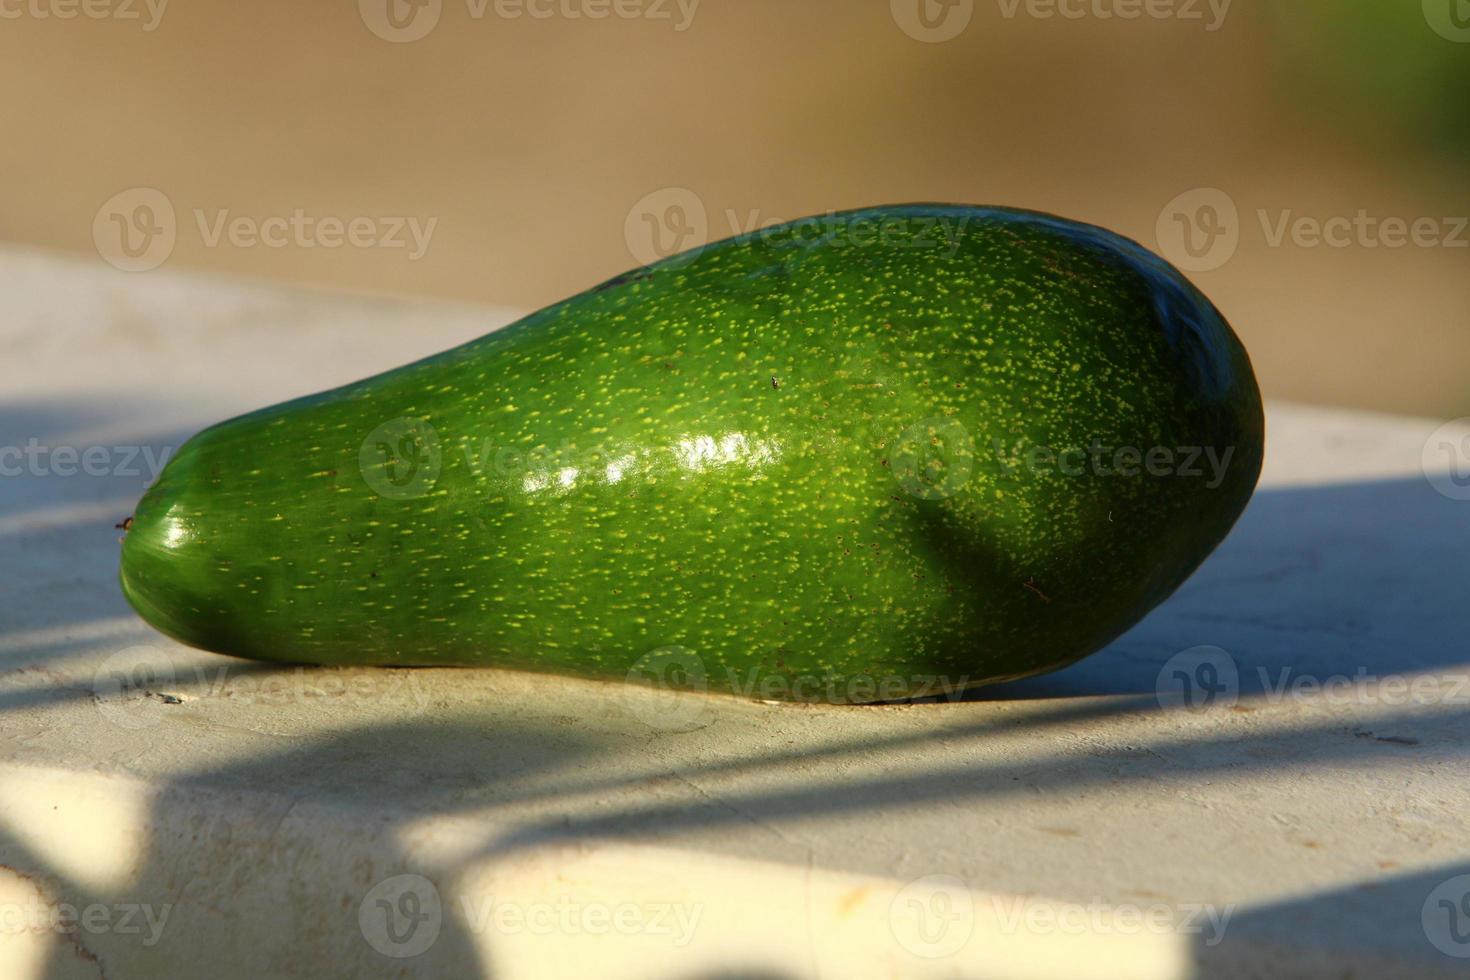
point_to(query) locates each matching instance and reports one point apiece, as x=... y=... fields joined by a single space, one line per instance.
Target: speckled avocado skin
x=866 y=456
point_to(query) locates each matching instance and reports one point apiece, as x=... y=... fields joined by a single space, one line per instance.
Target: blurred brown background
x=539 y=145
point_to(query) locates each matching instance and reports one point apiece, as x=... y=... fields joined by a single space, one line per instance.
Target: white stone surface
x=213 y=817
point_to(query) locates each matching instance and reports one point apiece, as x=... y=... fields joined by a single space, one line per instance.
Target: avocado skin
x=805 y=463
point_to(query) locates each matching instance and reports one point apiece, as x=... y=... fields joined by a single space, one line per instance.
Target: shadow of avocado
x=59 y=544
x=1421 y=931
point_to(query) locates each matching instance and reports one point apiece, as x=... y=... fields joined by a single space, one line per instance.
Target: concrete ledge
x=1306 y=819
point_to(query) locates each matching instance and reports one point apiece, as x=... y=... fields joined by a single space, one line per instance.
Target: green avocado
x=872 y=455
